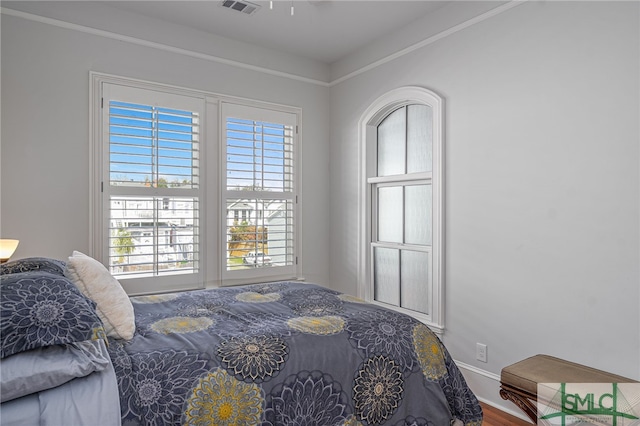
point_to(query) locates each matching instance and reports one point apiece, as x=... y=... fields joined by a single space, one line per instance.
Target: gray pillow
x=43 y=368
x=33 y=264
x=39 y=309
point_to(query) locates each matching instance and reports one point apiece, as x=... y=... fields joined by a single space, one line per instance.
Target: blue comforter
x=284 y=353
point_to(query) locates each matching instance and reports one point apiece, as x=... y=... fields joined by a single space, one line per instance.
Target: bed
x=280 y=353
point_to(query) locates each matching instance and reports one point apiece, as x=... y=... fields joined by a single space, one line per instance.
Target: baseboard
x=486 y=386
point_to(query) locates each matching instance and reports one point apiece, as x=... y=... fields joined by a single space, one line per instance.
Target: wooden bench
x=519 y=381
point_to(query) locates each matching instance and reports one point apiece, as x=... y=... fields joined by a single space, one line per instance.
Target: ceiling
x=322 y=30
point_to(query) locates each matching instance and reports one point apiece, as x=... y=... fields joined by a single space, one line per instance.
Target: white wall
x=45 y=145
x=542 y=183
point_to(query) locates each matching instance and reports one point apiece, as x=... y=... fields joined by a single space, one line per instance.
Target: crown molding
x=158 y=46
x=459 y=27
x=199 y=55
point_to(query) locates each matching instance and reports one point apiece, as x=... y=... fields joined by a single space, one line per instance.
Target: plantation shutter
x=259 y=192
x=152 y=188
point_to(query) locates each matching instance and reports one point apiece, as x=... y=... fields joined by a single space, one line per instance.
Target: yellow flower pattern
x=221 y=399
x=429 y=352
x=253 y=297
x=329 y=324
x=181 y=325
x=351 y=421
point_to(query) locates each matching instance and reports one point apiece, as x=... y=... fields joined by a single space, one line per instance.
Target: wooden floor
x=495 y=417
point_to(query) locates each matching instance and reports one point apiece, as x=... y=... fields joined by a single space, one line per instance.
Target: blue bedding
x=54 y=365
x=281 y=354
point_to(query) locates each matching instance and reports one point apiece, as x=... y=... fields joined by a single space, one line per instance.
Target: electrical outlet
x=481 y=352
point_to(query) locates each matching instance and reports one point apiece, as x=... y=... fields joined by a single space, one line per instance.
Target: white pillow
x=113 y=305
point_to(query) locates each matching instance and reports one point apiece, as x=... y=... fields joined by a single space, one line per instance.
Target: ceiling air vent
x=240 y=6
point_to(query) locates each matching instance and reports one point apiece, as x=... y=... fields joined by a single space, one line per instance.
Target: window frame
x=101 y=153
x=369 y=181
x=230 y=108
x=212 y=209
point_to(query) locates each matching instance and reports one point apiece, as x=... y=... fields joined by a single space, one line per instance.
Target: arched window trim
x=368 y=123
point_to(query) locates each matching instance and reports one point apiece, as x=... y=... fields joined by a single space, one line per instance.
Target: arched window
x=402 y=205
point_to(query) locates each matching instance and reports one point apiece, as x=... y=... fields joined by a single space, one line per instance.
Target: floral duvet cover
x=284 y=353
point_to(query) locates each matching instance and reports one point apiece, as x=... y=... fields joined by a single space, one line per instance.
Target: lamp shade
x=7 y=247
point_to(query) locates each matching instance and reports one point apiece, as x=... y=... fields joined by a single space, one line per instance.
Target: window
x=401 y=204
x=259 y=191
x=151 y=187
x=192 y=189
